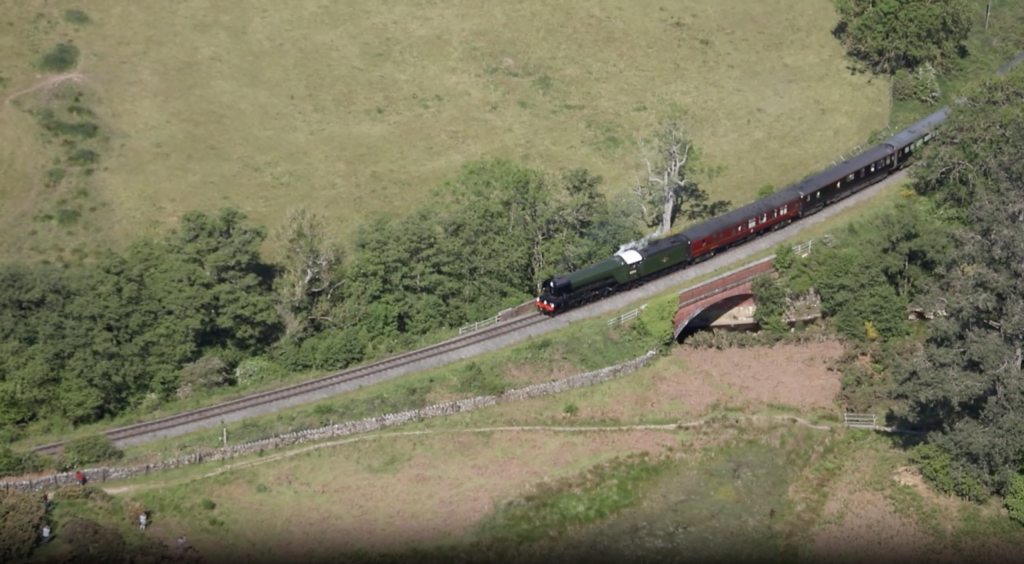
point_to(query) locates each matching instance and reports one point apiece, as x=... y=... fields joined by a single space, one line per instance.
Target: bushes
x=1013 y=497
x=88 y=450
x=333 y=349
x=17 y=463
x=21 y=516
x=61 y=58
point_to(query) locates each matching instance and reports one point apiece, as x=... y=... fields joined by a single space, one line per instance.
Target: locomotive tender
x=630 y=268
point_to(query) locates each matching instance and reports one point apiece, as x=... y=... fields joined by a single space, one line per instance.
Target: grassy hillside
x=361 y=106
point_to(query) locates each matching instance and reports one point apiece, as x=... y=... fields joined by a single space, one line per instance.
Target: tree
x=674 y=167
x=967 y=384
x=309 y=284
x=888 y=35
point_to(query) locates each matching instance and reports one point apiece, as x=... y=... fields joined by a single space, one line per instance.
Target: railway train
x=630 y=268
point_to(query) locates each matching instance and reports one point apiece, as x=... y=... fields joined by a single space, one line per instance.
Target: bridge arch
x=718 y=303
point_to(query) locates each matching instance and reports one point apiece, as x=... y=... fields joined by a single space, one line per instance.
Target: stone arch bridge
x=725 y=300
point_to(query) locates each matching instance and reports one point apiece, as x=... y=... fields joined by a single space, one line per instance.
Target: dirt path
x=272 y=458
x=50 y=82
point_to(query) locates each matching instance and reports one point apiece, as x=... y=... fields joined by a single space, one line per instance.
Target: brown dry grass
x=384 y=494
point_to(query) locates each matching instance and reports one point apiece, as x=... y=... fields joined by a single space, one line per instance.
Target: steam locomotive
x=630 y=268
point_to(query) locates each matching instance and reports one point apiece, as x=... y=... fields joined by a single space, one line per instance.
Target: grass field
x=357 y=107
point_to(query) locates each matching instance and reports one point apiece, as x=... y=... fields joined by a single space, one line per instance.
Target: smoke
x=638 y=244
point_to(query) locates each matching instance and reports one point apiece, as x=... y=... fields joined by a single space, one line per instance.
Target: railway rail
x=217 y=413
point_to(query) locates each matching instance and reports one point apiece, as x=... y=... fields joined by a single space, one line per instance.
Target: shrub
x=84 y=157
x=13 y=463
x=63 y=57
x=77 y=17
x=208 y=504
x=920 y=84
x=253 y=371
x=1013 y=497
x=54 y=176
x=207 y=372
x=88 y=450
x=21 y=516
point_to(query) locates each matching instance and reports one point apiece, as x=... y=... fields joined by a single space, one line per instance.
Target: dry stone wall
x=369 y=424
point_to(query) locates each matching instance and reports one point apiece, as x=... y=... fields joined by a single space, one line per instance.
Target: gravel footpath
x=603 y=307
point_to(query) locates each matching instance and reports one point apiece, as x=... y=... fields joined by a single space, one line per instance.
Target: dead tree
x=673 y=167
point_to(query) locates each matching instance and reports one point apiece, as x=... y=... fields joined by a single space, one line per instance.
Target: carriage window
x=764 y=217
x=872 y=168
x=782 y=210
x=775 y=213
x=837 y=186
x=849 y=178
x=818 y=193
x=751 y=223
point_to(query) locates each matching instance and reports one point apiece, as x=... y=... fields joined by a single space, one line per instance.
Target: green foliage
x=486 y=241
x=653 y=327
x=478 y=381
x=207 y=372
x=14 y=463
x=54 y=177
x=966 y=385
x=256 y=370
x=89 y=450
x=77 y=17
x=21 y=519
x=920 y=84
x=570 y=409
x=765 y=191
x=333 y=349
x=556 y=507
x=61 y=58
x=1013 y=497
x=208 y=504
x=888 y=35
x=80 y=129
x=83 y=157
x=771 y=304
x=91 y=341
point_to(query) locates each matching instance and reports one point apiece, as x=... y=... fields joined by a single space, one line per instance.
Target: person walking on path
x=181 y=543
x=46 y=534
x=142 y=521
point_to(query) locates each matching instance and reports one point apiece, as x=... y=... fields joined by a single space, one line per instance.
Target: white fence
x=629 y=315
x=860 y=420
x=479 y=325
x=803 y=249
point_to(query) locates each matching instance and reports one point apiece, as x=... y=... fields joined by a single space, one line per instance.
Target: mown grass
x=364 y=106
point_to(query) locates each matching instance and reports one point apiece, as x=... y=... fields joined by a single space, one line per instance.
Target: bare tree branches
x=312 y=266
x=673 y=170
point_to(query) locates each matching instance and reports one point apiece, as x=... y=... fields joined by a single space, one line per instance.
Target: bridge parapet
x=692 y=301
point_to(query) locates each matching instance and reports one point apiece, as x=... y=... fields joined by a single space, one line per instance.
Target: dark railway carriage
x=906 y=142
x=844 y=179
x=742 y=223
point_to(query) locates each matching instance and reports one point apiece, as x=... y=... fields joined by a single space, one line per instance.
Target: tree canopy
x=889 y=35
x=967 y=385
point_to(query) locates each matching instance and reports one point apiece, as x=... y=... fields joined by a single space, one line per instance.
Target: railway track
x=215 y=414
